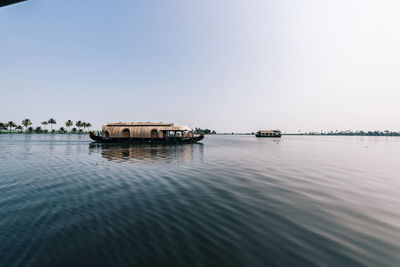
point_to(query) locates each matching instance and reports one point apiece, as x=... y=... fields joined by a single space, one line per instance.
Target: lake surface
x=230 y=201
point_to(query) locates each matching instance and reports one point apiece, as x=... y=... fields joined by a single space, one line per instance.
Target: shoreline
x=366 y=134
x=305 y=134
x=288 y=134
x=40 y=133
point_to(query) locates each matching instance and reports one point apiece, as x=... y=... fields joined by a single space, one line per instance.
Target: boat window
x=126 y=133
x=154 y=133
x=179 y=134
x=107 y=134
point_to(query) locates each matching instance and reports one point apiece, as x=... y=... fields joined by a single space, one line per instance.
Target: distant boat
x=269 y=133
x=145 y=132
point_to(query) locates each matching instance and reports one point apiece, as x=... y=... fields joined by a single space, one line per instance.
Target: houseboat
x=145 y=132
x=269 y=133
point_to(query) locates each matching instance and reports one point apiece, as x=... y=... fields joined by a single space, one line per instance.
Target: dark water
x=231 y=201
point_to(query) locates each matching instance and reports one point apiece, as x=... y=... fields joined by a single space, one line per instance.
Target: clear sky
x=233 y=65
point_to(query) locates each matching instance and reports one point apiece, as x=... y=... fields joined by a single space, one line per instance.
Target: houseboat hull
x=269 y=136
x=169 y=140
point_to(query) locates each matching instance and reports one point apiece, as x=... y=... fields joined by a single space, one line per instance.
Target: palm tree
x=44 y=123
x=85 y=125
x=19 y=127
x=30 y=129
x=78 y=124
x=11 y=124
x=3 y=126
x=26 y=123
x=69 y=123
x=88 y=125
x=52 y=121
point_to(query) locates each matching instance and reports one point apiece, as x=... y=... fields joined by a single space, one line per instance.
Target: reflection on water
x=231 y=201
x=160 y=153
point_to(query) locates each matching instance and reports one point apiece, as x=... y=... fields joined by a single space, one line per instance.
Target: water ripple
x=231 y=201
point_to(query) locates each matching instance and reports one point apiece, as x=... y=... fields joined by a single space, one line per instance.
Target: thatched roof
x=139 y=124
x=269 y=131
x=139 y=129
x=175 y=128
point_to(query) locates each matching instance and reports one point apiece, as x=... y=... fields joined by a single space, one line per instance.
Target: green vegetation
x=11 y=127
x=44 y=123
x=51 y=122
x=204 y=131
x=352 y=133
x=68 y=124
x=26 y=123
x=86 y=125
x=78 y=124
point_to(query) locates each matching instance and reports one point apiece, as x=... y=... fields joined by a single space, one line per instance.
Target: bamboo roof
x=139 y=124
x=269 y=131
x=176 y=128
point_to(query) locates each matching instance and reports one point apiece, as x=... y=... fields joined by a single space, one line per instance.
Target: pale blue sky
x=226 y=65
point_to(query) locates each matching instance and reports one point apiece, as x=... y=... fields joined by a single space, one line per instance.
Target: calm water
x=231 y=201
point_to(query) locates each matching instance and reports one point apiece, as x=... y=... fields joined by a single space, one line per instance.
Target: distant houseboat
x=145 y=132
x=269 y=133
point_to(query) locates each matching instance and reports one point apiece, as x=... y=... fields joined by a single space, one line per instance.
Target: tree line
x=80 y=126
x=205 y=131
x=355 y=133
